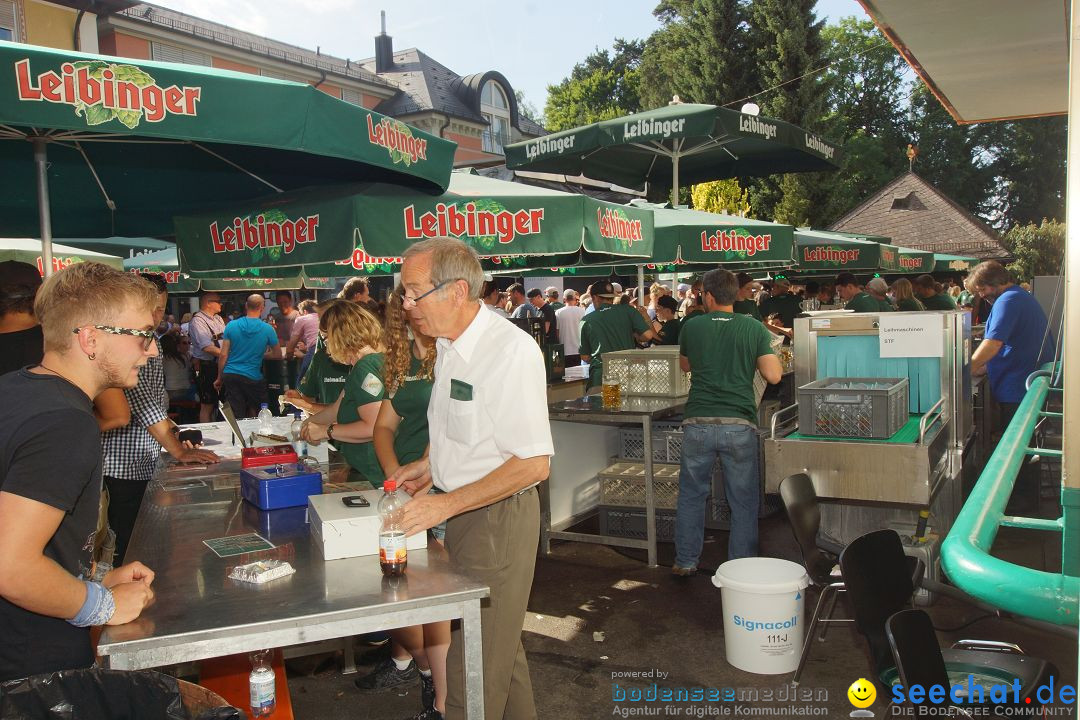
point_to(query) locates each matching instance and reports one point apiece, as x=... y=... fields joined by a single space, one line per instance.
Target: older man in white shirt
x=490 y=446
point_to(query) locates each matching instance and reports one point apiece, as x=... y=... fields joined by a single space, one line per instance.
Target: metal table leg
x=545 y=516
x=650 y=497
x=474 y=660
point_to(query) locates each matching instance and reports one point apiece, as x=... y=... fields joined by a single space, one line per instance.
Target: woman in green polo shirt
x=905 y=297
x=353 y=337
x=401 y=436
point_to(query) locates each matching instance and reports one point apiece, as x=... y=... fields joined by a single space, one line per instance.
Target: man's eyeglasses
x=406 y=299
x=146 y=335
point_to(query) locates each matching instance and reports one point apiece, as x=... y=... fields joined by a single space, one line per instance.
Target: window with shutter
x=7 y=21
x=278 y=75
x=351 y=96
x=174 y=54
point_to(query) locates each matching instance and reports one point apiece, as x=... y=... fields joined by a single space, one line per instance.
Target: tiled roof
x=915 y=214
x=423 y=84
x=247 y=42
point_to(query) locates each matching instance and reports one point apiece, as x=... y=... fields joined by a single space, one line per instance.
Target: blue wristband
x=97 y=609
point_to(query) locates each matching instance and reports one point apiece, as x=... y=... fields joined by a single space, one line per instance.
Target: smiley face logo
x=862 y=693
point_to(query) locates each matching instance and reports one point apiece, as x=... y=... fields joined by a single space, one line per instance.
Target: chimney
x=384 y=49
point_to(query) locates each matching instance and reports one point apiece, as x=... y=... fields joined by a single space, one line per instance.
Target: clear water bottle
x=393 y=554
x=266 y=420
x=294 y=434
x=261 y=684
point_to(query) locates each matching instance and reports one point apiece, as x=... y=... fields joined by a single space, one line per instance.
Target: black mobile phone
x=195 y=437
x=355 y=501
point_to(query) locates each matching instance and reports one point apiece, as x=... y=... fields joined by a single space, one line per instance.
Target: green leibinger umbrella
x=686 y=236
x=680 y=142
x=363 y=229
x=953 y=263
x=28 y=250
x=98 y=146
x=834 y=252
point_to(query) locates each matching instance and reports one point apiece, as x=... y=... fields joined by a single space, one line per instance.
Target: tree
x=1030 y=166
x=865 y=97
x=952 y=157
x=721 y=196
x=700 y=54
x=788 y=52
x=603 y=86
x=1038 y=249
x=527 y=109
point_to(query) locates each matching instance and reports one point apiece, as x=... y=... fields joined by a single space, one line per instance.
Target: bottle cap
x=389 y=486
x=265 y=405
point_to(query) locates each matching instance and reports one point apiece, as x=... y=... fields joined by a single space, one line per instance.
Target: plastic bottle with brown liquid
x=393 y=555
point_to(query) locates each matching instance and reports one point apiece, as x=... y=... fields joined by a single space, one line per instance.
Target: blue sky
x=532 y=43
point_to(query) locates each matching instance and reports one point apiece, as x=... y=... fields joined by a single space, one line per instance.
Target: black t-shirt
x=21 y=348
x=548 y=314
x=50 y=451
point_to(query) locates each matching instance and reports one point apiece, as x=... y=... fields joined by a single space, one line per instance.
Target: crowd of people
x=413 y=390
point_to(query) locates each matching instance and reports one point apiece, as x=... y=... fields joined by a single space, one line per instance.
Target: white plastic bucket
x=763 y=613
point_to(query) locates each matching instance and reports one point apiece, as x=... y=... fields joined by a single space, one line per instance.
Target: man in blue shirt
x=245 y=343
x=1015 y=344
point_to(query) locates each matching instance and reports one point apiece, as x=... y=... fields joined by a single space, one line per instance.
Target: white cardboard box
x=344 y=532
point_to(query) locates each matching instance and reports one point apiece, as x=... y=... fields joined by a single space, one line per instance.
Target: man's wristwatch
x=330 y=430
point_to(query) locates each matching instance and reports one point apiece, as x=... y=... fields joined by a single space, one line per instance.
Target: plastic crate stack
x=622 y=487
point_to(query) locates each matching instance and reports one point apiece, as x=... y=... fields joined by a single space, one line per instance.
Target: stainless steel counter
x=198 y=612
x=590 y=409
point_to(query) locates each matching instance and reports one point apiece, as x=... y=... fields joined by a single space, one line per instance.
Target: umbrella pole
x=641 y=285
x=675 y=178
x=44 y=216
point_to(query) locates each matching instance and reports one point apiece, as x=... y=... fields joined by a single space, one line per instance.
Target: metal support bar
x=1032 y=523
x=965 y=554
x=1043 y=452
x=650 y=494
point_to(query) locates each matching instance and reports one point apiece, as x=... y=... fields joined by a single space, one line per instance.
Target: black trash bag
x=222 y=713
x=91 y=694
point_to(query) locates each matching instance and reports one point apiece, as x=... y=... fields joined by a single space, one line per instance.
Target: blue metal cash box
x=279 y=486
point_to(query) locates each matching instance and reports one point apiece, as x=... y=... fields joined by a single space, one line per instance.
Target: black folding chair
x=880 y=583
x=920 y=661
x=819 y=557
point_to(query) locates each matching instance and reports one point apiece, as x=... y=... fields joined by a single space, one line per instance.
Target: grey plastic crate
x=853 y=407
x=666 y=443
x=628 y=522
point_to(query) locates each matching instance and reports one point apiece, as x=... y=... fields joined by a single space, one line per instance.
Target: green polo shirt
x=556 y=305
x=862 y=302
x=941 y=301
x=324 y=379
x=363 y=386
x=787 y=306
x=410 y=402
x=747 y=307
x=909 y=305
x=607 y=329
x=885 y=306
x=723 y=349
